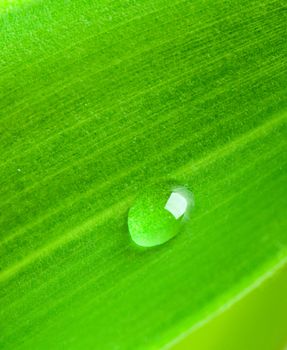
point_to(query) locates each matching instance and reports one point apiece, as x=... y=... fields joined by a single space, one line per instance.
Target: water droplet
x=159 y=213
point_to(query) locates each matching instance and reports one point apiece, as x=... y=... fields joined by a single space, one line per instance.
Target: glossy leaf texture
x=101 y=98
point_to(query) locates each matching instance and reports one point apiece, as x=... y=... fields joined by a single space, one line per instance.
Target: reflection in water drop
x=176 y=204
x=158 y=214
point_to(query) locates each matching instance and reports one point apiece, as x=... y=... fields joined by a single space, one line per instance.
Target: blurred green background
x=257 y=322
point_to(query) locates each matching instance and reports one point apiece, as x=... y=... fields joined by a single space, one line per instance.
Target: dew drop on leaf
x=158 y=214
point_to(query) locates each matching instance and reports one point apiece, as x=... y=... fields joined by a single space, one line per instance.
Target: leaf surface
x=99 y=99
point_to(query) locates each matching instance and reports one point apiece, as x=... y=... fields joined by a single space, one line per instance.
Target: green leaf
x=99 y=99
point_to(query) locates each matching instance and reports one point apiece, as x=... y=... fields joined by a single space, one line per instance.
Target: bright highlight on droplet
x=176 y=204
x=159 y=213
